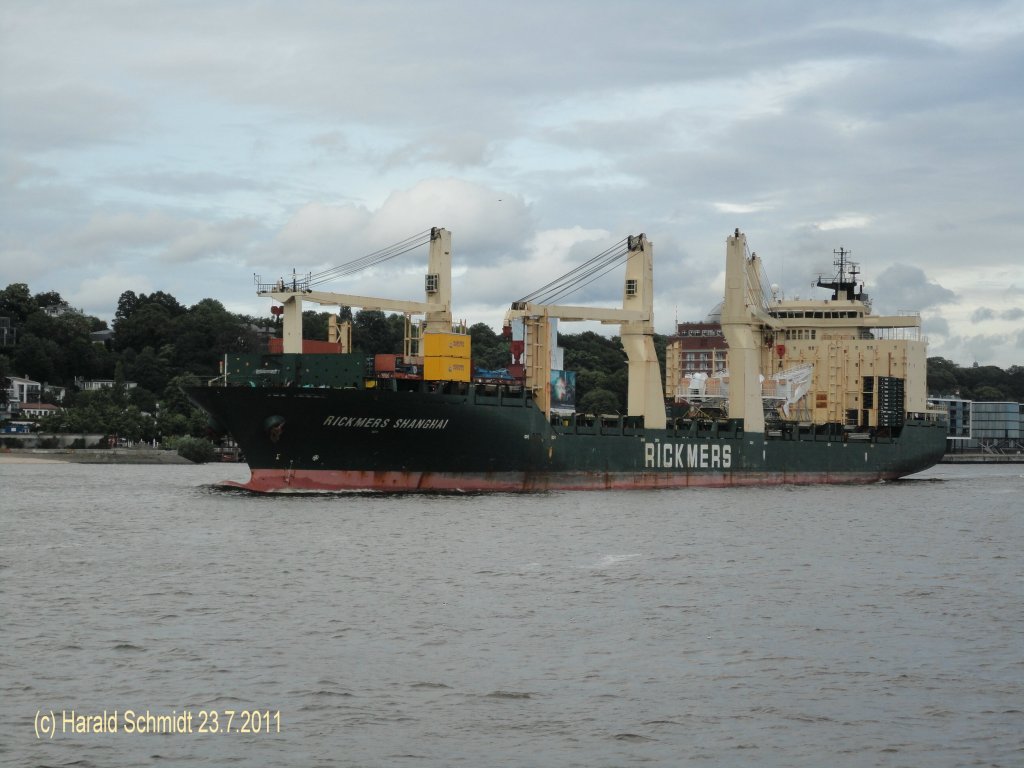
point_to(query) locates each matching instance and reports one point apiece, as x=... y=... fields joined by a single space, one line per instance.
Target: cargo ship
x=321 y=417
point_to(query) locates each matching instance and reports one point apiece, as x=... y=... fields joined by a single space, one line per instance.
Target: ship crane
x=635 y=318
x=437 y=306
x=744 y=319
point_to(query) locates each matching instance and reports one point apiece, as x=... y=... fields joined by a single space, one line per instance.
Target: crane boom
x=437 y=308
x=573 y=314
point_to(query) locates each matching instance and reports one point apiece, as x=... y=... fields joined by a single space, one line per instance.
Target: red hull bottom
x=334 y=481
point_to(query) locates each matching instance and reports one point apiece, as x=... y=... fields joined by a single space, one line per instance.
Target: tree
x=197 y=450
x=74 y=354
x=591 y=350
x=147 y=326
x=102 y=411
x=599 y=401
x=126 y=306
x=39 y=324
x=5 y=380
x=314 y=325
x=48 y=299
x=600 y=365
x=372 y=333
x=203 y=334
x=490 y=351
x=396 y=323
x=588 y=379
x=120 y=384
x=1015 y=384
x=175 y=403
x=165 y=300
x=142 y=399
x=976 y=382
x=991 y=394
x=982 y=377
x=941 y=376
x=35 y=357
x=149 y=370
x=16 y=303
x=81 y=358
x=130 y=423
x=618 y=384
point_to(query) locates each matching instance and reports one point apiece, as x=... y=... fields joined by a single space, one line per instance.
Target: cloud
x=982 y=313
x=485 y=224
x=213 y=240
x=459 y=149
x=98 y=295
x=112 y=232
x=976 y=348
x=848 y=221
x=164 y=139
x=483 y=220
x=546 y=255
x=741 y=207
x=198 y=183
x=904 y=287
x=935 y=325
x=68 y=116
x=172 y=239
x=319 y=233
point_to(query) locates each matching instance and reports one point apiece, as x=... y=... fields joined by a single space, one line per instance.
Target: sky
x=187 y=146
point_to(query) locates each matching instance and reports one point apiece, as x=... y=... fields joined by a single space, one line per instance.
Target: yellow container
x=447 y=345
x=446 y=368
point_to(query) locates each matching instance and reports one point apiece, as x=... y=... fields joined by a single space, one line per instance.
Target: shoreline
x=90 y=456
x=983 y=458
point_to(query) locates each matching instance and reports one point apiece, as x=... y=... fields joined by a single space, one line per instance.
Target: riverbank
x=90 y=456
x=983 y=458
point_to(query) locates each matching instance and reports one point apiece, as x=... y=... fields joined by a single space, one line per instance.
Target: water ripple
x=777 y=627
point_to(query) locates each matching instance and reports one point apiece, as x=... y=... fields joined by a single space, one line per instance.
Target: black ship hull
x=324 y=439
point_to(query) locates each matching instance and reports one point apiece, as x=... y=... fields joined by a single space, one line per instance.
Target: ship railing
x=900 y=333
x=597 y=423
x=705 y=425
x=294 y=284
x=935 y=415
x=501 y=394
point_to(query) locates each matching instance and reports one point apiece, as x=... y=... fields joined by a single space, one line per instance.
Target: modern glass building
x=995 y=422
x=979 y=425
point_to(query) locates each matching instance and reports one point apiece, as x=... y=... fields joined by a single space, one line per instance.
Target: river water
x=795 y=626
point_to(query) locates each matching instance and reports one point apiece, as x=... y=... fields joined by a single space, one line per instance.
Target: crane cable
x=371 y=259
x=580 y=276
x=760 y=294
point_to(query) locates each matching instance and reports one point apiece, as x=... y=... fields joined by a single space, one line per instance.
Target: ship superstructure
x=818 y=361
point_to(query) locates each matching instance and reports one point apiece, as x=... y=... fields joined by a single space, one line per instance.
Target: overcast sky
x=183 y=146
